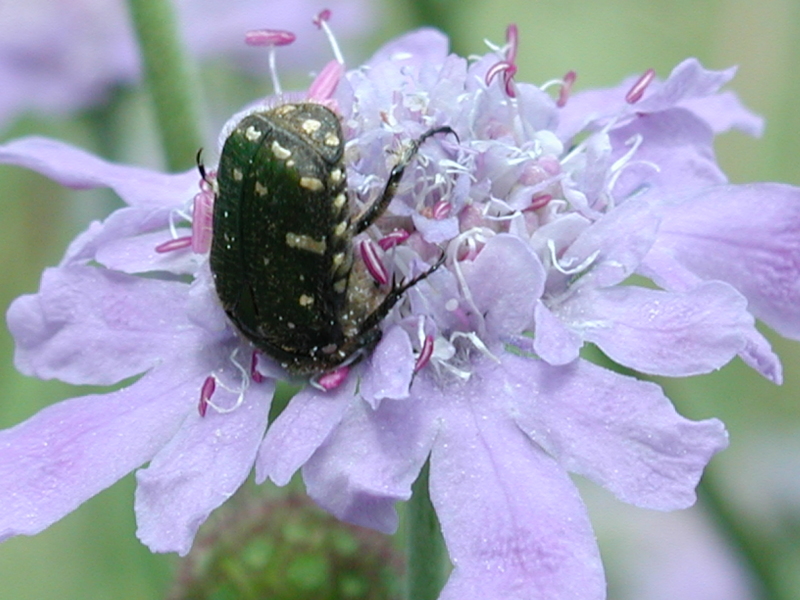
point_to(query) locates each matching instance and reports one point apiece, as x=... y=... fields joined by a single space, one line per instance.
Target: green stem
x=756 y=551
x=438 y=14
x=426 y=554
x=169 y=76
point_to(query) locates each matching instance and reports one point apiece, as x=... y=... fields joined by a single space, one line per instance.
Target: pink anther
x=269 y=37
x=441 y=210
x=512 y=42
x=255 y=374
x=323 y=17
x=538 y=201
x=566 y=88
x=424 y=354
x=202 y=221
x=175 y=244
x=333 y=379
x=373 y=262
x=324 y=84
x=209 y=385
x=393 y=238
x=637 y=89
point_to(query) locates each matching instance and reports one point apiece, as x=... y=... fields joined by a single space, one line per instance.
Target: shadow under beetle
x=281 y=250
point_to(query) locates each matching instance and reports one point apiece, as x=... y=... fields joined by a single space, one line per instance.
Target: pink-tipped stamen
x=424 y=354
x=637 y=89
x=512 y=42
x=538 y=202
x=507 y=70
x=209 y=385
x=324 y=84
x=566 y=88
x=323 y=17
x=333 y=379
x=255 y=374
x=321 y=21
x=202 y=221
x=373 y=262
x=174 y=244
x=269 y=37
x=441 y=210
x=392 y=239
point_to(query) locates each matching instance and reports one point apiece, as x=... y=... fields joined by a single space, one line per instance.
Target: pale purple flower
x=544 y=206
x=59 y=56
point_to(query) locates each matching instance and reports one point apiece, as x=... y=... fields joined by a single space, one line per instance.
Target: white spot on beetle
x=311 y=183
x=331 y=139
x=237 y=175
x=340 y=229
x=305 y=242
x=279 y=151
x=336 y=176
x=260 y=189
x=310 y=126
x=339 y=201
x=252 y=134
x=306 y=300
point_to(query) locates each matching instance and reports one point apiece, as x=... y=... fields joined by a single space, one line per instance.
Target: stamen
x=330 y=381
x=240 y=392
x=255 y=374
x=637 y=89
x=441 y=210
x=202 y=221
x=324 y=84
x=373 y=262
x=321 y=21
x=567 y=269
x=174 y=244
x=392 y=239
x=512 y=40
x=209 y=385
x=566 y=88
x=424 y=354
x=538 y=202
x=271 y=38
x=508 y=71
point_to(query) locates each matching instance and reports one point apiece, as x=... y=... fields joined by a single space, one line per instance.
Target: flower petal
x=199 y=469
x=506 y=279
x=371 y=460
x=70 y=451
x=76 y=168
x=90 y=325
x=663 y=333
x=676 y=155
x=746 y=235
x=391 y=367
x=300 y=429
x=555 y=342
x=621 y=433
x=513 y=521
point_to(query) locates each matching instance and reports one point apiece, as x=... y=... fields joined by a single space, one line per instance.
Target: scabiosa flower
x=63 y=56
x=544 y=207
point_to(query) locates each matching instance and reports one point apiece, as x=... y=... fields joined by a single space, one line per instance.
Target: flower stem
x=753 y=548
x=426 y=555
x=170 y=79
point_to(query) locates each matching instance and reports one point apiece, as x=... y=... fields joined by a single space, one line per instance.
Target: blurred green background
x=94 y=554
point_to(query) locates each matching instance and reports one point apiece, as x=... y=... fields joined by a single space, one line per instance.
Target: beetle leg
x=377 y=208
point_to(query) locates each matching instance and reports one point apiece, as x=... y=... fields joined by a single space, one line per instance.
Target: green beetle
x=281 y=250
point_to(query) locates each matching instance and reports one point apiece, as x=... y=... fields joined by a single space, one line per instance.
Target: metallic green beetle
x=281 y=251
